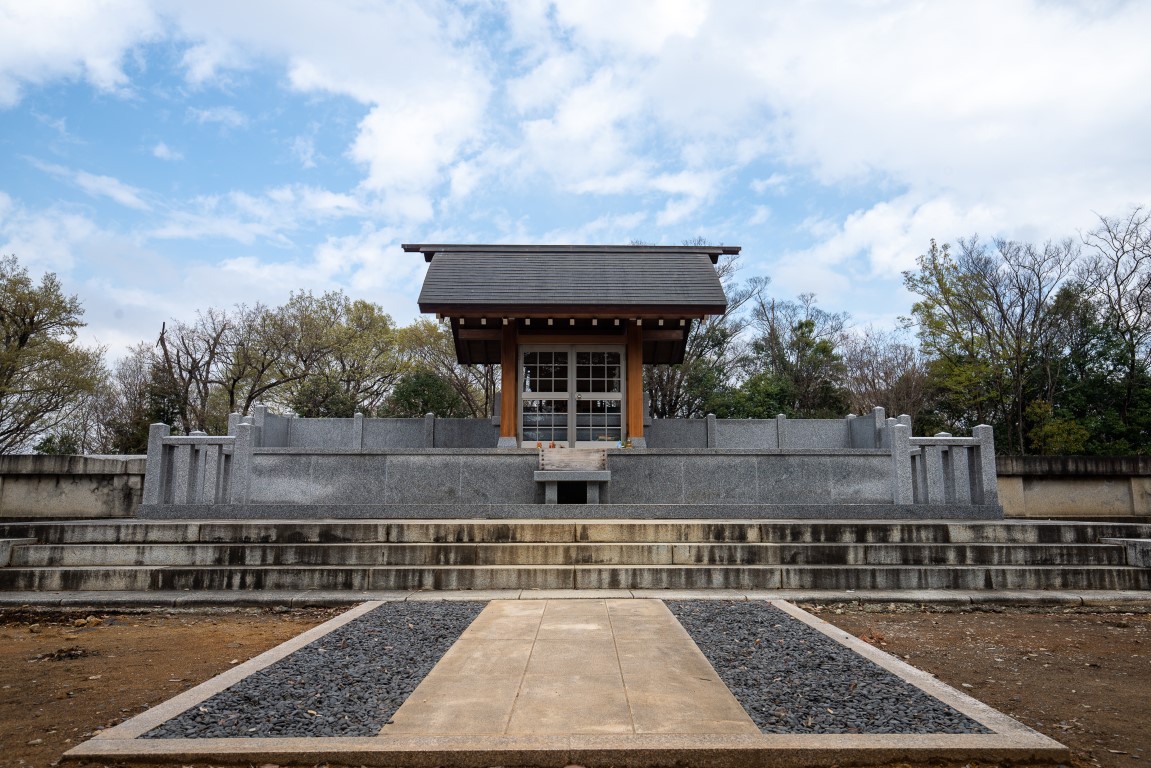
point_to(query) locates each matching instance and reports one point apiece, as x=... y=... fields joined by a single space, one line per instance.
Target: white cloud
x=776 y=182
x=228 y=117
x=202 y=62
x=630 y=27
x=304 y=148
x=248 y=218
x=760 y=215
x=114 y=189
x=544 y=86
x=932 y=119
x=98 y=186
x=41 y=240
x=880 y=242
x=40 y=42
x=610 y=228
x=163 y=152
x=411 y=63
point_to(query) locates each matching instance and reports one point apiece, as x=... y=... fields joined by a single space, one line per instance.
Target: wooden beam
x=670 y=312
x=634 y=381
x=664 y=335
x=574 y=338
x=475 y=334
x=509 y=368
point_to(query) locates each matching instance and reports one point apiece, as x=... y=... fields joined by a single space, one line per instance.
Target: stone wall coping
x=1083 y=466
x=611 y=451
x=40 y=464
x=578 y=475
x=767 y=513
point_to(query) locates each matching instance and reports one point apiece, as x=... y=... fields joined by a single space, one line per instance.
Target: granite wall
x=470 y=477
x=857 y=432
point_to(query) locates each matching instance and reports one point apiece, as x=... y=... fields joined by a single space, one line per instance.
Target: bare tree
x=190 y=355
x=886 y=369
x=716 y=350
x=1117 y=272
x=985 y=315
x=798 y=348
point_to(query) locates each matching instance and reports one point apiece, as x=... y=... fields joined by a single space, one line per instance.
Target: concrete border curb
x=1010 y=741
x=328 y=599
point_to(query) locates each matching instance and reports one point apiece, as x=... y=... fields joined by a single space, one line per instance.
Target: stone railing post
x=240 y=483
x=358 y=431
x=780 y=429
x=903 y=490
x=154 y=468
x=712 y=437
x=429 y=430
x=935 y=473
x=985 y=465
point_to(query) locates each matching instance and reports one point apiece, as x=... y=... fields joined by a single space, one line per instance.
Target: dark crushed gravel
x=793 y=679
x=348 y=683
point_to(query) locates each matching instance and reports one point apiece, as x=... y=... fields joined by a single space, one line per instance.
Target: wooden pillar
x=634 y=381
x=509 y=367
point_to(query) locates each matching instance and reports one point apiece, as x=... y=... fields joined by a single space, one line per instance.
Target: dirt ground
x=1082 y=677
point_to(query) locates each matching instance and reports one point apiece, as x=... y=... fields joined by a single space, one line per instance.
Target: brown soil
x=60 y=683
x=1082 y=677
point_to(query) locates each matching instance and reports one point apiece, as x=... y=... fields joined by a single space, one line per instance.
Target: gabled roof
x=596 y=280
x=481 y=288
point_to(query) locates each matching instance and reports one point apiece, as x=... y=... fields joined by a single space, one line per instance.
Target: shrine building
x=571 y=327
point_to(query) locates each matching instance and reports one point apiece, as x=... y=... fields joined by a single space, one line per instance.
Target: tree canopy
x=44 y=375
x=1050 y=344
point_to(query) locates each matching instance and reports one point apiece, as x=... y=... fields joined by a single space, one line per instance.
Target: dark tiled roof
x=595 y=277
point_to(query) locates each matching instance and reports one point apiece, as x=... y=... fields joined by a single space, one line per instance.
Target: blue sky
x=164 y=157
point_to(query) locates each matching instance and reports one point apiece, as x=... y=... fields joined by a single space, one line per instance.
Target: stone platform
x=594 y=682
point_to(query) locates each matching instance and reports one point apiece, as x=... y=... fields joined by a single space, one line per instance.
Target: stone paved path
x=535 y=667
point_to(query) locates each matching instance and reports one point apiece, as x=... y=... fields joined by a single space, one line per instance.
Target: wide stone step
x=573 y=577
x=952 y=554
x=965 y=577
x=59 y=555
x=562 y=531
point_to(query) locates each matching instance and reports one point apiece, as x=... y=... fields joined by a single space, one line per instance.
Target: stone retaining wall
x=1075 y=487
x=34 y=487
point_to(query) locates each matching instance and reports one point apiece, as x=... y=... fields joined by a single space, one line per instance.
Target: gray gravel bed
x=793 y=679
x=347 y=683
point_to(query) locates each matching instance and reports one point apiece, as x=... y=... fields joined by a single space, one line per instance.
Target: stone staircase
x=135 y=555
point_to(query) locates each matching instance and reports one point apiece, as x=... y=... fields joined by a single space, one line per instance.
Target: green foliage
x=1047 y=345
x=227 y=361
x=58 y=444
x=797 y=367
x=1055 y=435
x=319 y=397
x=985 y=319
x=761 y=396
x=427 y=346
x=44 y=374
x=423 y=392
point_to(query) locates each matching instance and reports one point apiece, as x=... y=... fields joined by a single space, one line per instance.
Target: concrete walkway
x=533 y=667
